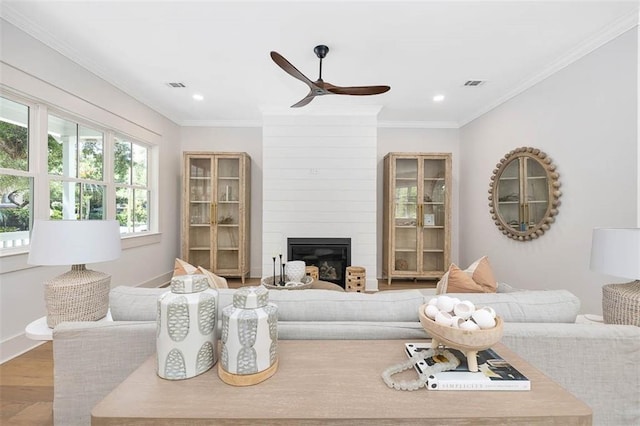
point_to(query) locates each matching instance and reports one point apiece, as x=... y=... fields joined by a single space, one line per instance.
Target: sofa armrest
x=92 y=358
x=598 y=364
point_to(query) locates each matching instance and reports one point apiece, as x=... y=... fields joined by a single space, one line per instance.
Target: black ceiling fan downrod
x=321 y=51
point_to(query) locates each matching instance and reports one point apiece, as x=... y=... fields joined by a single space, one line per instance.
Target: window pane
x=124 y=203
x=93 y=201
x=141 y=211
x=139 y=165
x=15 y=210
x=63 y=200
x=91 y=153
x=62 y=147
x=14 y=135
x=122 y=161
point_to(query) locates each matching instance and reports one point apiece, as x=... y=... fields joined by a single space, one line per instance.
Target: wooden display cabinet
x=417 y=215
x=216 y=208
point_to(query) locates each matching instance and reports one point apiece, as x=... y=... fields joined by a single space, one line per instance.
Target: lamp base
x=621 y=303
x=78 y=295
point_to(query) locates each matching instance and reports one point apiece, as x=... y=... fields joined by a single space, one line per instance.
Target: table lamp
x=616 y=251
x=79 y=294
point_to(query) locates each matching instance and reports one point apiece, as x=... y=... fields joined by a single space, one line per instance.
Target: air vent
x=176 y=85
x=474 y=83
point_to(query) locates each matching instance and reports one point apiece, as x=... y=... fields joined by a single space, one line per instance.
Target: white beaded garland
x=411 y=385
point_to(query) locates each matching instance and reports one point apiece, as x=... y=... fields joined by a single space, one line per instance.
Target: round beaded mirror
x=524 y=194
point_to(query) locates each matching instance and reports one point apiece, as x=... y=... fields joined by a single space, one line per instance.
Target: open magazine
x=494 y=373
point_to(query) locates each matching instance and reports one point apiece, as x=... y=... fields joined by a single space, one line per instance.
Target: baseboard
x=16 y=346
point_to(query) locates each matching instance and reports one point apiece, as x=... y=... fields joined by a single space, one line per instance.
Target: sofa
x=597 y=363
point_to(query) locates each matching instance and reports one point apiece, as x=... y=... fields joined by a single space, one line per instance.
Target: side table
x=39 y=330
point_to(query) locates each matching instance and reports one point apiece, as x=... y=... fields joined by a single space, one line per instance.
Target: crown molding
x=418 y=125
x=616 y=29
x=220 y=123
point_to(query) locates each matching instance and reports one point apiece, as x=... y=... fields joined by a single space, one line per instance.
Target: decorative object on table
x=495 y=373
x=460 y=325
x=80 y=294
x=295 y=270
x=447 y=331
x=524 y=194
x=313 y=272
x=281 y=266
x=249 y=338
x=304 y=284
x=356 y=278
x=186 y=328
x=616 y=251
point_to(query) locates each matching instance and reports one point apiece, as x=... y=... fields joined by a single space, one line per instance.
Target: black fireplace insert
x=330 y=255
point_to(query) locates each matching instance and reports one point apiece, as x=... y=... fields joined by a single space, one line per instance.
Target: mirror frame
x=554 y=193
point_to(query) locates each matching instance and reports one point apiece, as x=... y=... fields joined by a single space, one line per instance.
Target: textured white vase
x=295 y=270
x=186 y=339
x=249 y=332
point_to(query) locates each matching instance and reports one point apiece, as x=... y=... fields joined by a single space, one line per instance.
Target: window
x=131 y=177
x=16 y=176
x=82 y=171
x=75 y=161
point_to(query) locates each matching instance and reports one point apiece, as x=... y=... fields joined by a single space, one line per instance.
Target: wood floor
x=26 y=388
x=26 y=382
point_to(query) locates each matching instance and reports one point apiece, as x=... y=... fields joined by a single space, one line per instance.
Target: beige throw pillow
x=184 y=268
x=477 y=278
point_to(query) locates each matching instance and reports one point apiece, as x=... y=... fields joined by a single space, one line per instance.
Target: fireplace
x=330 y=255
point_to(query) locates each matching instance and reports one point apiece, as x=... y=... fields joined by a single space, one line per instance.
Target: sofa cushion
x=326 y=305
x=477 y=278
x=528 y=305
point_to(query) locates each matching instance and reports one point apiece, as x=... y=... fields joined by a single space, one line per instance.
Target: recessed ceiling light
x=198 y=97
x=438 y=98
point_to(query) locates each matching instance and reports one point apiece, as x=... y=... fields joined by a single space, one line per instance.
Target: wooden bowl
x=306 y=283
x=467 y=341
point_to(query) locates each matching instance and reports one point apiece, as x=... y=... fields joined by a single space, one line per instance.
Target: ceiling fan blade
x=290 y=69
x=357 y=90
x=304 y=101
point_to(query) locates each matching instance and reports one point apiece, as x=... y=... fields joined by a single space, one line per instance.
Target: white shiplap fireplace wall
x=319 y=181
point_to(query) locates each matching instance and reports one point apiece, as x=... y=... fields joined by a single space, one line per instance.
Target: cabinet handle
x=213 y=213
x=420 y=215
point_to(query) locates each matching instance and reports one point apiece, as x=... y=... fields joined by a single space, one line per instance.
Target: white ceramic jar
x=186 y=322
x=249 y=332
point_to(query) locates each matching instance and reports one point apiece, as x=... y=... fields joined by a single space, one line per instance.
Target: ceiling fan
x=320 y=87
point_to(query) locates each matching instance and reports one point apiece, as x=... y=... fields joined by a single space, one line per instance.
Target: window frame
x=38 y=171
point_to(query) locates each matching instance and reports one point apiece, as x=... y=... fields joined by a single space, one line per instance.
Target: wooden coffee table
x=333 y=381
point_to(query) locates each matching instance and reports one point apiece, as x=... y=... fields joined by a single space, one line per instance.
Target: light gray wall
x=585 y=118
x=37 y=71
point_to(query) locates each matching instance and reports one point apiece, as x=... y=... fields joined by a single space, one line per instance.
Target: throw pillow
x=482 y=274
x=184 y=268
x=215 y=281
x=477 y=278
x=456 y=280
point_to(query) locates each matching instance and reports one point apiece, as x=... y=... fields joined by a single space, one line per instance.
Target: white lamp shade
x=616 y=252
x=74 y=242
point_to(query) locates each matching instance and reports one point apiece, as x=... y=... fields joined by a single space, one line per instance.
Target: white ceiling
x=420 y=48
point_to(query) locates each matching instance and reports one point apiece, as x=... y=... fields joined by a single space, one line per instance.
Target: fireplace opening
x=330 y=255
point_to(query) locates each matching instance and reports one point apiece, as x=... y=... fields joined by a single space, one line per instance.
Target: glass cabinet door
x=200 y=202
x=537 y=192
x=509 y=195
x=433 y=214
x=406 y=215
x=227 y=214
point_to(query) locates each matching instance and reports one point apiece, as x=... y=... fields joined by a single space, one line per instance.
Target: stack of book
x=494 y=373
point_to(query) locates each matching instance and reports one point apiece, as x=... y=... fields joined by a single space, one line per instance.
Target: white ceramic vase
x=186 y=338
x=249 y=332
x=295 y=270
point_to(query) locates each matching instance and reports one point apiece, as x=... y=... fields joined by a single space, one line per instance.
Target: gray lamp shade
x=616 y=252
x=74 y=242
